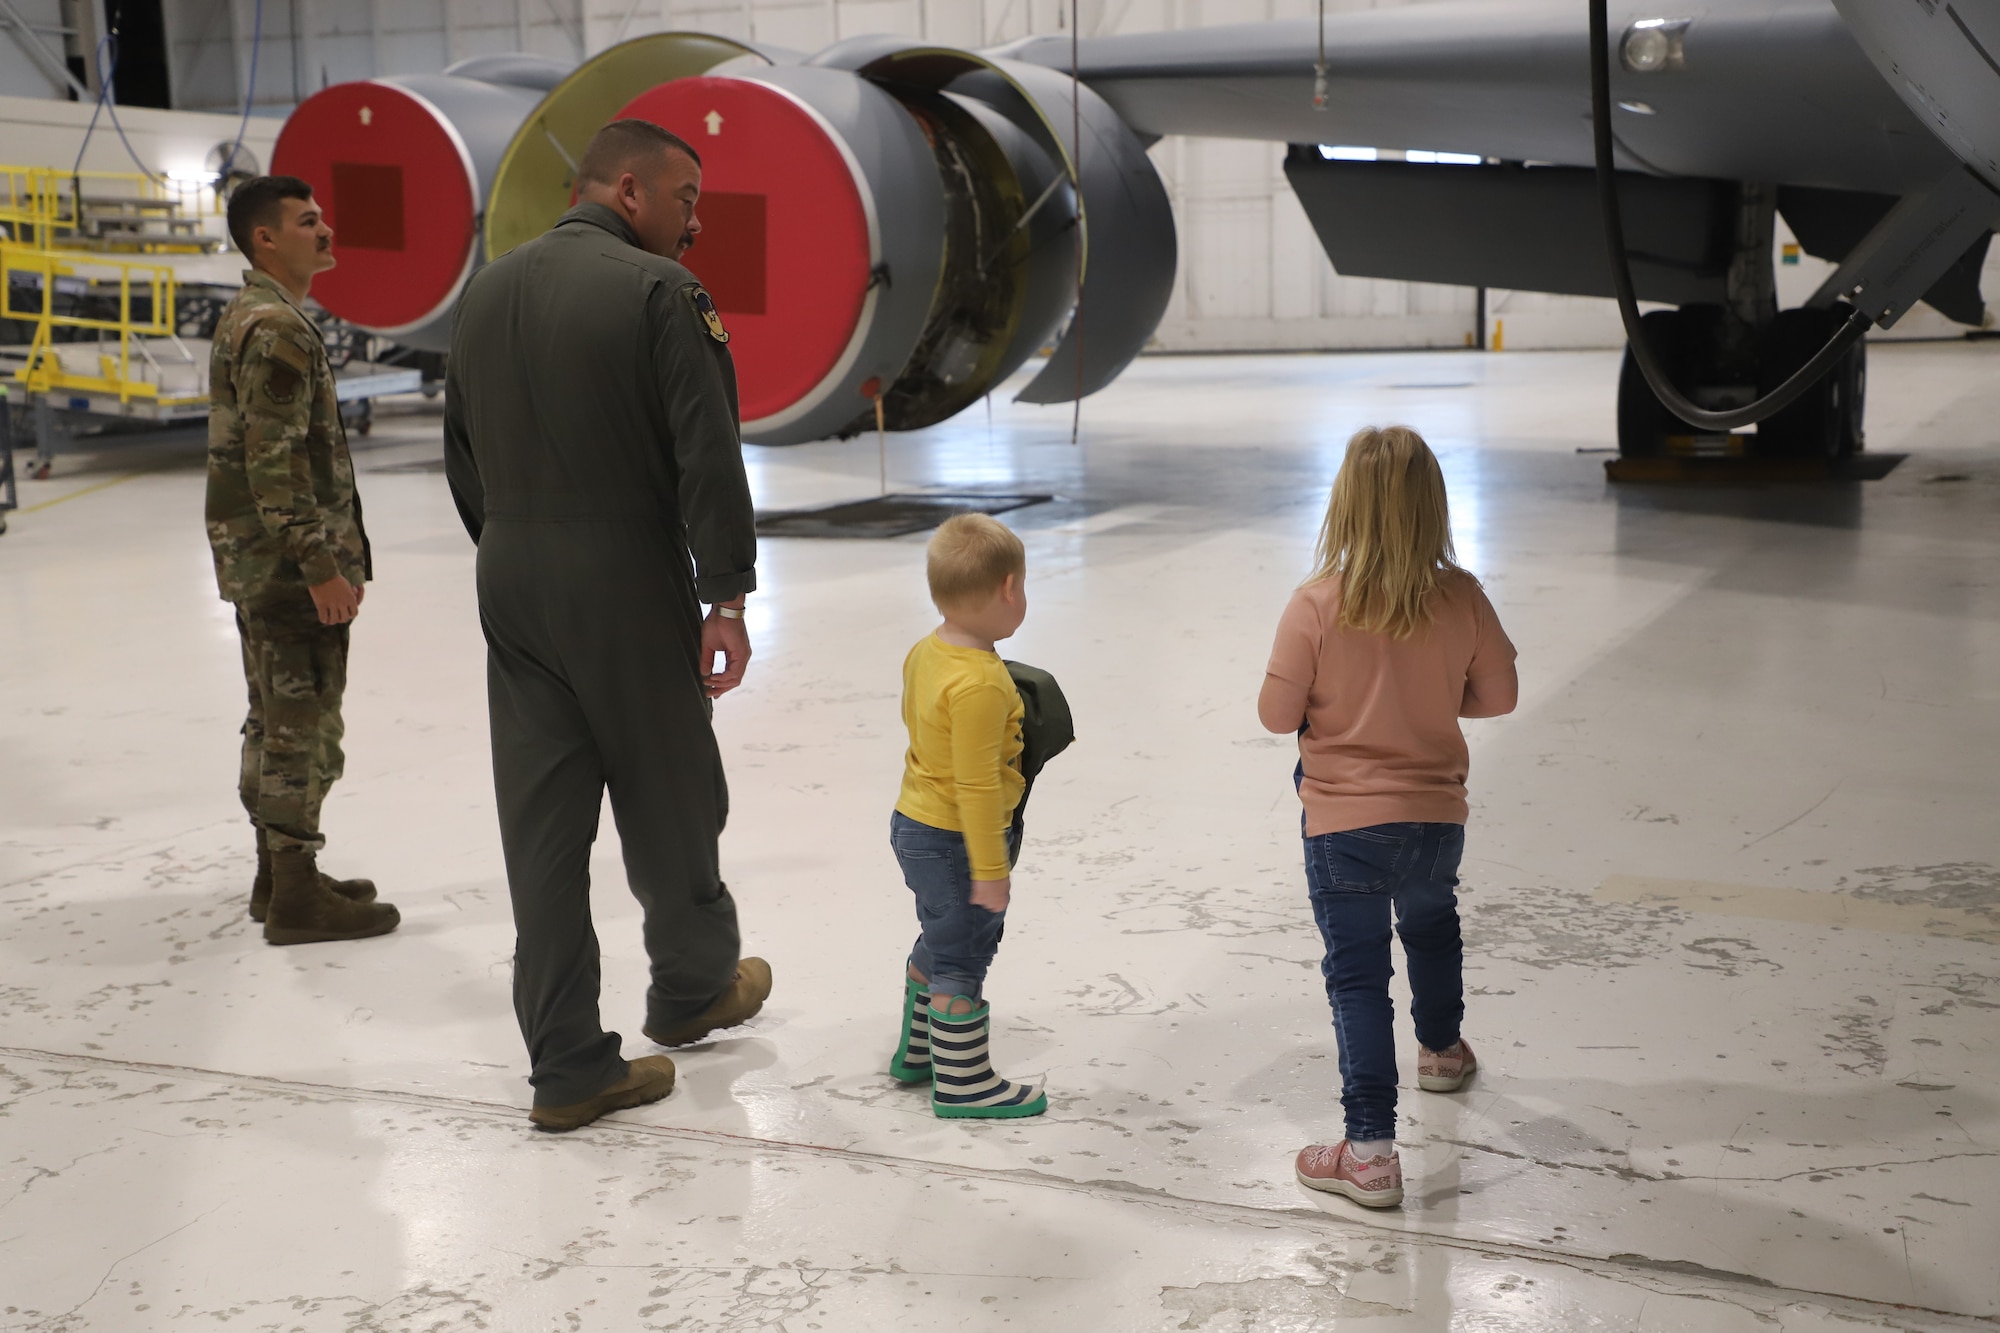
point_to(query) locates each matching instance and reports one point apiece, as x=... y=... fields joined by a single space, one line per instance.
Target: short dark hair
x=259 y=202
x=617 y=147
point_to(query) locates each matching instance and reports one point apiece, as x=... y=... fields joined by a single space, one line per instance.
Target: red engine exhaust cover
x=396 y=182
x=784 y=246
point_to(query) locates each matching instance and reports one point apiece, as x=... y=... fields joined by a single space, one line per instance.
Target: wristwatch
x=729 y=612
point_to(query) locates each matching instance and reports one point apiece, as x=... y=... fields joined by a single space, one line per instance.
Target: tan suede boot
x=354 y=890
x=647 y=1079
x=304 y=911
x=738 y=1004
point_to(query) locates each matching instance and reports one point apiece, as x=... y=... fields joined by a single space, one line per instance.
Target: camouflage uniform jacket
x=282 y=510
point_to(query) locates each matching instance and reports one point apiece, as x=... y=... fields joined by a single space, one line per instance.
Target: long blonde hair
x=1387 y=534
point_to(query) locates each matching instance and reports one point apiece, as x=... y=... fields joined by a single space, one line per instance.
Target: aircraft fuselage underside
x=897 y=226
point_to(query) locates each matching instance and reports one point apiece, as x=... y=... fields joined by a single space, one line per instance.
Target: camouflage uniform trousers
x=296 y=670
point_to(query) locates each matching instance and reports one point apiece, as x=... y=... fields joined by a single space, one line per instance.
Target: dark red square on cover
x=367 y=206
x=728 y=256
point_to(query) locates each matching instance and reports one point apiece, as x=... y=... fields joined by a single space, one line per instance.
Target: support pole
x=45 y=437
x=9 y=497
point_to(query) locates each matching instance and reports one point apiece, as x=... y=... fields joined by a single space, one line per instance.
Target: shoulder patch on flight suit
x=280 y=368
x=285 y=350
x=704 y=305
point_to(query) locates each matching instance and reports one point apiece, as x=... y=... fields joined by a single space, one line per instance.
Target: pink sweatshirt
x=1382 y=743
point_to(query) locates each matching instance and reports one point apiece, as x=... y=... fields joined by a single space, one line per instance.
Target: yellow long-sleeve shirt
x=963 y=768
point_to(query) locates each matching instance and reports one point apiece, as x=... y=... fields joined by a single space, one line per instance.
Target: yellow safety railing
x=116 y=210
x=31 y=274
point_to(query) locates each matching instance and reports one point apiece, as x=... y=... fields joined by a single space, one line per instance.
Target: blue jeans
x=957 y=941
x=1355 y=877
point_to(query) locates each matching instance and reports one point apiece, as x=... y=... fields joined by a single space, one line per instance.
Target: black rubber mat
x=887 y=515
x=1718 y=471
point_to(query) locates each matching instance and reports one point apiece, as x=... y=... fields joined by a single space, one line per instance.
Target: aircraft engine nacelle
x=885 y=224
x=1941 y=63
x=425 y=176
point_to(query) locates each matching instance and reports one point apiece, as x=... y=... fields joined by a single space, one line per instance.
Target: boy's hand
x=992 y=894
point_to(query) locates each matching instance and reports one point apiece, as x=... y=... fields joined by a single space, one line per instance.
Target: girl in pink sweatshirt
x=1379 y=654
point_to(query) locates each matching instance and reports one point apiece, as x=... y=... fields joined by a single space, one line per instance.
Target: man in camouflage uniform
x=284 y=524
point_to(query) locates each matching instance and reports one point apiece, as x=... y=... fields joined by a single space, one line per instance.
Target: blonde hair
x=970 y=556
x=1387 y=534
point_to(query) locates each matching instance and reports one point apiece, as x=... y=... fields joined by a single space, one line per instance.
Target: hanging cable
x=1621 y=273
x=108 y=77
x=76 y=168
x=249 y=97
x=105 y=57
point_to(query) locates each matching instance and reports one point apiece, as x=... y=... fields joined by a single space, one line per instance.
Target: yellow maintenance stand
x=103 y=334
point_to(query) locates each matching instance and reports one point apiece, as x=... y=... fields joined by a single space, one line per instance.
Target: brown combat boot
x=738 y=1004
x=304 y=911
x=354 y=890
x=647 y=1079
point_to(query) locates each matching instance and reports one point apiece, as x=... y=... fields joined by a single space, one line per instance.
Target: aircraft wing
x=1769 y=90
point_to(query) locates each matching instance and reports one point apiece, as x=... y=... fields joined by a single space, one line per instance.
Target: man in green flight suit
x=284 y=524
x=591 y=444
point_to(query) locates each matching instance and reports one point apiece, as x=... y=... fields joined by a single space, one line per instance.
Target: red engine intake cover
x=396 y=184
x=784 y=246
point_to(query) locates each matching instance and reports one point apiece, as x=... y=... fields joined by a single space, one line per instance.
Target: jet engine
x=888 y=227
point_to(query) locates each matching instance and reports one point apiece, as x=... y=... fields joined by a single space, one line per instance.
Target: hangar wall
x=26 y=68
x=1252 y=276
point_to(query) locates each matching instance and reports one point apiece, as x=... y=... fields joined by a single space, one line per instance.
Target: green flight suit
x=591 y=444
x=282 y=515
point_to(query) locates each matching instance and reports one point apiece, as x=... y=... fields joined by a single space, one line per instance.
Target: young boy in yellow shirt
x=953 y=829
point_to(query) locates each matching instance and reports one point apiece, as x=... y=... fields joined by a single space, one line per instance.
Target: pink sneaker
x=1447 y=1070
x=1376 y=1183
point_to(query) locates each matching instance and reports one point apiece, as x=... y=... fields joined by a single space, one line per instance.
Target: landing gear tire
x=1644 y=423
x=1825 y=422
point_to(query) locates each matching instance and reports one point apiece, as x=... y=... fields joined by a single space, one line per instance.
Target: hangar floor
x=1731 y=895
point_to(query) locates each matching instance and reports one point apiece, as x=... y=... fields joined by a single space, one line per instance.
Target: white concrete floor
x=1732 y=911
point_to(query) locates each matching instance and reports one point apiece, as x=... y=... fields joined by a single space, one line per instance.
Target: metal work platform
x=107 y=340
x=129 y=212
x=66 y=414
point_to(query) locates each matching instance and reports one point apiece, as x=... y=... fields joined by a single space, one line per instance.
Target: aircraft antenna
x=1621 y=273
x=1319 y=66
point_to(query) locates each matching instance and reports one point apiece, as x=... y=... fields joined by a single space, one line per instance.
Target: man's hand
x=728 y=637
x=992 y=894
x=336 y=600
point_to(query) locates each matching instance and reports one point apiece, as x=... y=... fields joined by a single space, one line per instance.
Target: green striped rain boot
x=963 y=1084
x=912 y=1061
